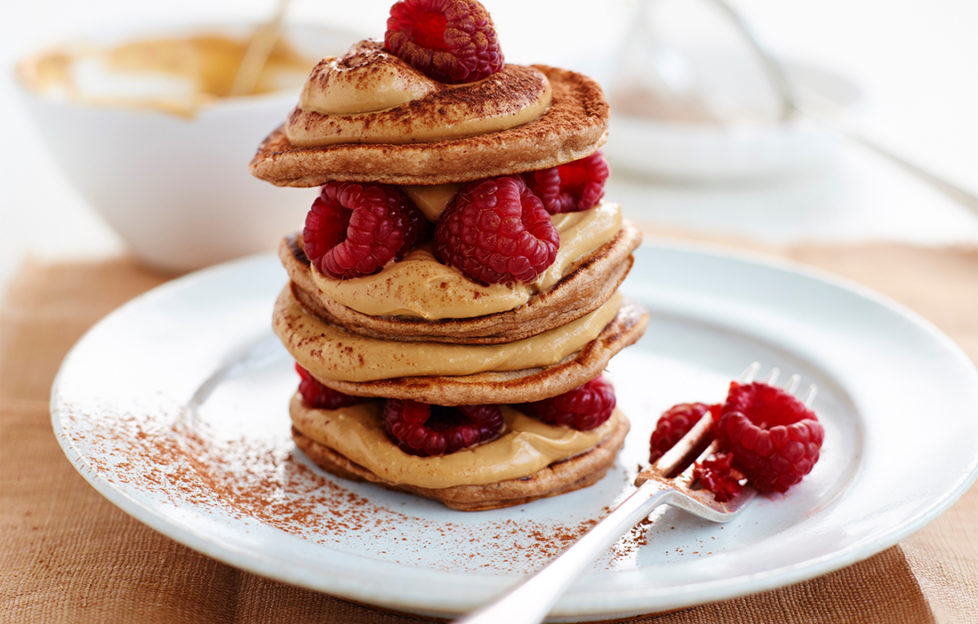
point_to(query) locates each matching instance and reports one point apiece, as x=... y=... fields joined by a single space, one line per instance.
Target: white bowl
x=177 y=190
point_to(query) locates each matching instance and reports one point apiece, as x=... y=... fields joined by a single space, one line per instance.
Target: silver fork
x=531 y=600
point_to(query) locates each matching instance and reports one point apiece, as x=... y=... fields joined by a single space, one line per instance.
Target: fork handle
x=531 y=600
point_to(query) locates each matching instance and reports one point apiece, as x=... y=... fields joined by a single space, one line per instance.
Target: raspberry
x=496 y=231
x=575 y=186
x=673 y=424
x=774 y=438
x=582 y=408
x=318 y=396
x=355 y=229
x=422 y=429
x=447 y=40
x=718 y=475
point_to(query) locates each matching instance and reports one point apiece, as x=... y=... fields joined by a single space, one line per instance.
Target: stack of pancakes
x=368 y=355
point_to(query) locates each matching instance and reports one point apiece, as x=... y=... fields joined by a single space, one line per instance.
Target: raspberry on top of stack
x=453 y=293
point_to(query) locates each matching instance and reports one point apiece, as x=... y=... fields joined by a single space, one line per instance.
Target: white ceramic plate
x=174 y=408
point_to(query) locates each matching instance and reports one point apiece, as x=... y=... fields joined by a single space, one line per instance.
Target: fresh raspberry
x=447 y=40
x=318 y=396
x=719 y=475
x=355 y=229
x=774 y=438
x=673 y=424
x=422 y=429
x=496 y=231
x=575 y=186
x=582 y=408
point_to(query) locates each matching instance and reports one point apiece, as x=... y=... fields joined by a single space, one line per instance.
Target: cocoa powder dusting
x=266 y=480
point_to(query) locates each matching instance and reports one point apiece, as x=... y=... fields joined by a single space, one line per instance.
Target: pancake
x=557 y=478
x=574 y=127
x=580 y=292
x=515 y=386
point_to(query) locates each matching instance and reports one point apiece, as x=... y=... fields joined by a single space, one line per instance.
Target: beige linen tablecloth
x=68 y=555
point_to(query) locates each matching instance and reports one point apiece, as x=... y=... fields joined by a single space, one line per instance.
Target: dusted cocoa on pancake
x=573 y=127
x=557 y=478
x=406 y=106
x=578 y=293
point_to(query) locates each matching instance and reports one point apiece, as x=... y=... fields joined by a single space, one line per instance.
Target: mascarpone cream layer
x=330 y=352
x=419 y=286
x=372 y=96
x=526 y=446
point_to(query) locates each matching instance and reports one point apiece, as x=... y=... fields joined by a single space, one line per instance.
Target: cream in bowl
x=142 y=124
x=177 y=74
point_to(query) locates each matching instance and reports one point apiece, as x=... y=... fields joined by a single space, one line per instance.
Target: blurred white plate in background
x=739 y=150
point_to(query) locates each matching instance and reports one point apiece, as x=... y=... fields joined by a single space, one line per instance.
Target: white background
x=916 y=63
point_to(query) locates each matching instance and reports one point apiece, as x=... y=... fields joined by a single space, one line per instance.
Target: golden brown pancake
x=557 y=478
x=580 y=292
x=573 y=127
x=518 y=386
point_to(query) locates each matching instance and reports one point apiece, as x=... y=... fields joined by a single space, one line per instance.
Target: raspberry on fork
x=355 y=229
x=318 y=396
x=571 y=187
x=450 y=41
x=673 y=424
x=582 y=408
x=774 y=438
x=718 y=474
x=422 y=429
x=496 y=231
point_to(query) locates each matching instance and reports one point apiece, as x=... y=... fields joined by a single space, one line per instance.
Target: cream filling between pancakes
x=330 y=352
x=419 y=286
x=372 y=96
x=526 y=446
